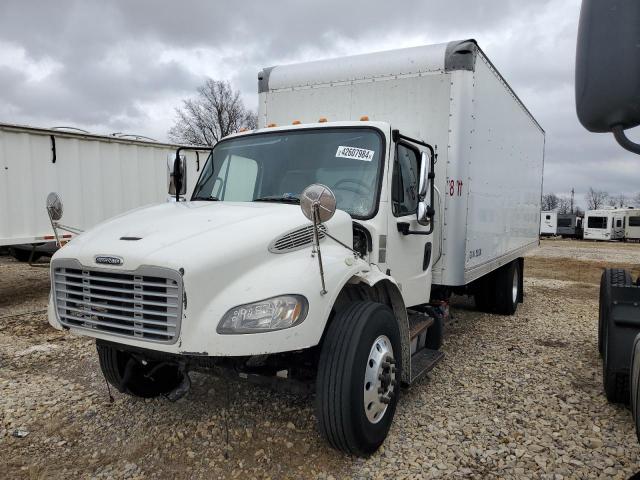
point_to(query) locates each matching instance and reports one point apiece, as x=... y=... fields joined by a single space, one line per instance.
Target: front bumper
x=207 y=297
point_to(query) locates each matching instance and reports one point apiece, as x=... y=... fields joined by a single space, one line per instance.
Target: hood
x=172 y=234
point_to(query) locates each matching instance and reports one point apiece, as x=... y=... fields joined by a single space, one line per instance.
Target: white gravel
x=515 y=397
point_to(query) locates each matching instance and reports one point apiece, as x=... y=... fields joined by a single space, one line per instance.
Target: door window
x=404 y=191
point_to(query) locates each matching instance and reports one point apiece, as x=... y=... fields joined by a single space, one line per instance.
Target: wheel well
x=384 y=292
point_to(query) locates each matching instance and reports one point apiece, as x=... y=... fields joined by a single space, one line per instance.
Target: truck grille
x=145 y=304
x=296 y=239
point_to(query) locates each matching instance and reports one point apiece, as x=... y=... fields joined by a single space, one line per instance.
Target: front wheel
x=358 y=380
x=136 y=377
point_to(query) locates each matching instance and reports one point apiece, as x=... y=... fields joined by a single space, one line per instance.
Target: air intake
x=296 y=239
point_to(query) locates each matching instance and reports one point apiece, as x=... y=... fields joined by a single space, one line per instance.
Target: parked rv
x=548 y=223
x=569 y=225
x=97 y=176
x=604 y=224
x=321 y=249
x=632 y=225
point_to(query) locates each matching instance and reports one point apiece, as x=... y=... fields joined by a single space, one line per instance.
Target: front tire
x=615 y=381
x=358 y=380
x=635 y=384
x=131 y=376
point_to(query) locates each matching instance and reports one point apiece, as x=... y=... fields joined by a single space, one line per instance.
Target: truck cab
x=231 y=276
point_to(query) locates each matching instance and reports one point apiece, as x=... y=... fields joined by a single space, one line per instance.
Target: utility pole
x=572 y=194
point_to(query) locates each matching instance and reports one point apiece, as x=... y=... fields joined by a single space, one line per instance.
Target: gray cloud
x=120 y=65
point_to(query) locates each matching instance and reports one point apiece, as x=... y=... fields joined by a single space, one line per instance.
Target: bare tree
x=564 y=205
x=549 y=201
x=596 y=198
x=214 y=113
x=618 y=200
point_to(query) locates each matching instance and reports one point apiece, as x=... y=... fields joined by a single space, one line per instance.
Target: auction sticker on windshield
x=355 y=153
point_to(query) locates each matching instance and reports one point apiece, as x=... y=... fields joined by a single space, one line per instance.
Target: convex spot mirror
x=176 y=169
x=608 y=67
x=54 y=206
x=424 y=187
x=320 y=198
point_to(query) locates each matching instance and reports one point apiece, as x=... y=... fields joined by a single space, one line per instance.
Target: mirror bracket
x=624 y=141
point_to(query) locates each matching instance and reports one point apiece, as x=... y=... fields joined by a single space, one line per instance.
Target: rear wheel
x=484 y=294
x=508 y=284
x=358 y=378
x=23 y=255
x=134 y=376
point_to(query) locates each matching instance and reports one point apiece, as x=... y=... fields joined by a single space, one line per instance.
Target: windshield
x=278 y=166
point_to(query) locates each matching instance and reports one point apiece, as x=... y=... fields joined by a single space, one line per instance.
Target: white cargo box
x=96 y=176
x=490 y=148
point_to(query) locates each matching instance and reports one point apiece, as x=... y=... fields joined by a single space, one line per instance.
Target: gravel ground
x=515 y=397
x=590 y=250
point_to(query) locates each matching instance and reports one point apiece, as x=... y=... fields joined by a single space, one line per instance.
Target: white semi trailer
x=98 y=176
x=322 y=251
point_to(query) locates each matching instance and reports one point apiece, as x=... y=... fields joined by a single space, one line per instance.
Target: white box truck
x=548 y=223
x=322 y=251
x=98 y=177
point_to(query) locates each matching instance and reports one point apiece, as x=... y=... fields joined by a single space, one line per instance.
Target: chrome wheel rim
x=379 y=379
x=516 y=285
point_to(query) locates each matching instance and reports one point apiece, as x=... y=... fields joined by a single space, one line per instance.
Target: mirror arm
x=623 y=140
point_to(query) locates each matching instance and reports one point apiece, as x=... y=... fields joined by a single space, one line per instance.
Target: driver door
x=408 y=256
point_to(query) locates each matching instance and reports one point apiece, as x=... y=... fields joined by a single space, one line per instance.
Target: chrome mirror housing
x=320 y=198
x=177 y=174
x=54 y=206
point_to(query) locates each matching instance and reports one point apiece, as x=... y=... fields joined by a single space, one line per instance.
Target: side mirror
x=54 y=206
x=177 y=175
x=425 y=189
x=608 y=68
x=318 y=203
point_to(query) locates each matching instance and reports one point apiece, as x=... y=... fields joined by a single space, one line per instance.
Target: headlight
x=267 y=315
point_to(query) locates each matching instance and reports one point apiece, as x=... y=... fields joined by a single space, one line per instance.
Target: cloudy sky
x=123 y=66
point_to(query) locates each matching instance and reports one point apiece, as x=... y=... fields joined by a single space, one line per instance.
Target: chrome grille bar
x=145 y=304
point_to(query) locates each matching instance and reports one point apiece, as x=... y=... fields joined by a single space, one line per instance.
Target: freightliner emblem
x=108 y=260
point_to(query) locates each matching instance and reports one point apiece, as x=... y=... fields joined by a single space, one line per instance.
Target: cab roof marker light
x=271 y=125
x=364 y=118
x=295 y=122
x=322 y=120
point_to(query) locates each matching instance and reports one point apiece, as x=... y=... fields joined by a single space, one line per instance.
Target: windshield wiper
x=278 y=198
x=210 y=198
